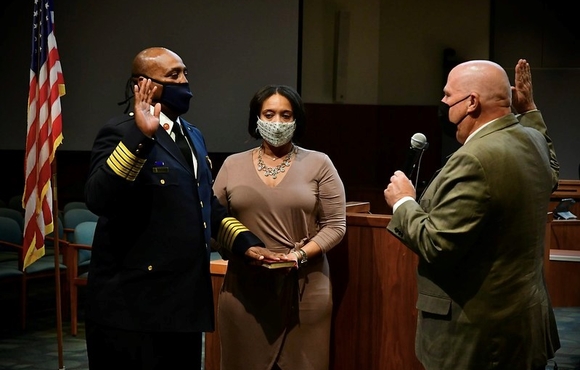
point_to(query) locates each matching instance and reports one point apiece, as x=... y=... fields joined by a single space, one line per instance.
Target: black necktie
x=182 y=143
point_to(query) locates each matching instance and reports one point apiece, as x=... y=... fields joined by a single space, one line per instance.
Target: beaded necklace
x=274 y=171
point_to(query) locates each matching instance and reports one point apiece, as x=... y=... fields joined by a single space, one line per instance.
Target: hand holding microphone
x=399 y=187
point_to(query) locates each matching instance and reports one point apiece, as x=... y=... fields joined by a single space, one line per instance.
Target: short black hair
x=289 y=93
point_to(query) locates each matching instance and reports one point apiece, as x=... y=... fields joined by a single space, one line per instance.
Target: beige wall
x=362 y=57
x=395 y=47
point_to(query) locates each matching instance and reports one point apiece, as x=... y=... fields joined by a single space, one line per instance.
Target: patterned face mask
x=276 y=133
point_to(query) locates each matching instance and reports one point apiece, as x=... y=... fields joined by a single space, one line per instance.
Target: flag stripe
x=44 y=131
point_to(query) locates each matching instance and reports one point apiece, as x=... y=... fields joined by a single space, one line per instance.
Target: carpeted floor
x=568 y=356
x=36 y=347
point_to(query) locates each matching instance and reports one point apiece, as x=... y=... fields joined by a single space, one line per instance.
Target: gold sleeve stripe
x=124 y=163
x=230 y=228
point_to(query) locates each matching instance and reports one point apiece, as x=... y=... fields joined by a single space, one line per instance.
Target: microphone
x=418 y=144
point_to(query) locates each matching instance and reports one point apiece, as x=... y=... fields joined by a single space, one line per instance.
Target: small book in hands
x=278 y=264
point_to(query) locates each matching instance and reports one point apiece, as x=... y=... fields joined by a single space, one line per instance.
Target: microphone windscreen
x=418 y=141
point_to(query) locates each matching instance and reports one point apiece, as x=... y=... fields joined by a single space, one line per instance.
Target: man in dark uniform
x=149 y=294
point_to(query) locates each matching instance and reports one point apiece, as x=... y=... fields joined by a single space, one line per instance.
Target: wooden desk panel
x=561 y=264
x=567 y=189
x=565 y=234
x=359 y=207
x=563 y=278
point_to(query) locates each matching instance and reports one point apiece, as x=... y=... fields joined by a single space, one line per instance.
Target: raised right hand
x=148 y=123
x=522 y=92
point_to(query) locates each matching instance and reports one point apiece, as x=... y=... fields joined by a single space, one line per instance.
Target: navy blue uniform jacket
x=149 y=267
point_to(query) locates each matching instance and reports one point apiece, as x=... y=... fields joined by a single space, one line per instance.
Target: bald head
x=150 y=59
x=476 y=92
x=488 y=79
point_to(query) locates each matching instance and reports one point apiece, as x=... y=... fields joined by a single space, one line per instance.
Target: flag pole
x=56 y=233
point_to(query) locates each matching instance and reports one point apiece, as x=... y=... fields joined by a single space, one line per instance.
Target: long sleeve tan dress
x=268 y=316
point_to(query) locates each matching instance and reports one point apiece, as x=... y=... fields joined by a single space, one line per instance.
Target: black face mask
x=175 y=96
x=449 y=128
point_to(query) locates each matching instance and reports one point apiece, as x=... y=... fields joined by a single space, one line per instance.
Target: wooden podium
x=374 y=294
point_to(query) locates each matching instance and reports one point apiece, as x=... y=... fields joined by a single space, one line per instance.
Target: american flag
x=44 y=133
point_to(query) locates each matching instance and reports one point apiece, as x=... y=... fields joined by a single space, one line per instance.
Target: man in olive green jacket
x=479 y=228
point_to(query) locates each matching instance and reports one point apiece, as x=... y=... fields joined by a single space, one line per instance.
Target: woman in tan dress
x=293 y=199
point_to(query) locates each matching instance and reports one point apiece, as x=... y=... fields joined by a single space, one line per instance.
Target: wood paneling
x=367 y=143
x=565 y=234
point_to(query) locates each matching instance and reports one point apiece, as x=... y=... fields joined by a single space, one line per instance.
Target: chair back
x=13 y=214
x=84 y=234
x=74 y=205
x=15 y=202
x=10 y=231
x=60 y=228
x=74 y=217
